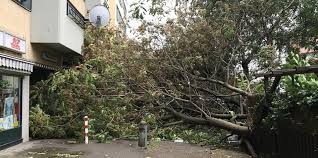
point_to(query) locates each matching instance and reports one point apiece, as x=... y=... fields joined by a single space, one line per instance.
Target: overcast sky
x=133 y=23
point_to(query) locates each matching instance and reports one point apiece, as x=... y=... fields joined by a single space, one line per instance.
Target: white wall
x=71 y=35
x=25 y=107
x=45 y=21
x=50 y=24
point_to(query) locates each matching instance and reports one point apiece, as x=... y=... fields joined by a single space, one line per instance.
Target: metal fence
x=285 y=143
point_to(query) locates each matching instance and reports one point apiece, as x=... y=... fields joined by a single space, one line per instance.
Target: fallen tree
x=197 y=69
x=203 y=67
x=202 y=70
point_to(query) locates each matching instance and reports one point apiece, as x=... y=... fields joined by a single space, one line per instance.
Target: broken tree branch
x=237 y=129
x=226 y=85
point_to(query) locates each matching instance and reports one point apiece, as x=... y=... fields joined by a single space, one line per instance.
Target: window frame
x=123 y=5
x=119 y=16
x=21 y=5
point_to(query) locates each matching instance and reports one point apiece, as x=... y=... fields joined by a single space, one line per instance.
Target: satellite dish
x=99 y=16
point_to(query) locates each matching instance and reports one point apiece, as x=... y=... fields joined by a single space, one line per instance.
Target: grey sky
x=133 y=23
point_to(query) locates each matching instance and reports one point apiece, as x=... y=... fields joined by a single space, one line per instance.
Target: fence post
x=142 y=134
x=86 y=129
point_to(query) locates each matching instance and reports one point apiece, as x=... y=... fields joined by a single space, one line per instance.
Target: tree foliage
x=296 y=101
x=257 y=25
x=97 y=88
x=217 y=46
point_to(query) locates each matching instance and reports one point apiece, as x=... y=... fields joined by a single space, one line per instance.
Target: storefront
x=14 y=100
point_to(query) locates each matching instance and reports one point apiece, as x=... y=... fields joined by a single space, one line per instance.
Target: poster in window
x=9 y=102
x=8 y=112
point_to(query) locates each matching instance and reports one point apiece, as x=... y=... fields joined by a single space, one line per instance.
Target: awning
x=15 y=64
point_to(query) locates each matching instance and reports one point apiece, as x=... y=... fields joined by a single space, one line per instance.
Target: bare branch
x=220 y=116
x=173 y=123
x=226 y=85
x=188 y=119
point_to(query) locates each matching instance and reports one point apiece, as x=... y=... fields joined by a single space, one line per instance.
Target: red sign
x=14 y=43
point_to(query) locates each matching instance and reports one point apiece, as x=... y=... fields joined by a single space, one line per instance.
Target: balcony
x=57 y=24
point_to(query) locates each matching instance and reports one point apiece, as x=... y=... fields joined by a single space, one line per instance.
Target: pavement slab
x=114 y=149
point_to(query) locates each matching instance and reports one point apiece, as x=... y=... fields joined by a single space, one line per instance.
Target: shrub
x=41 y=125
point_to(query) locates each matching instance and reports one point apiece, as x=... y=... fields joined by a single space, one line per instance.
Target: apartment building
x=37 y=37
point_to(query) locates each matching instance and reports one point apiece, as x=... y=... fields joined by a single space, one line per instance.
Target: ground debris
x=35 y=153
x=53 y=153
x=67 y=155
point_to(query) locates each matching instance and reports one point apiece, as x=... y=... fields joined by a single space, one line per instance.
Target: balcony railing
x=75 y=15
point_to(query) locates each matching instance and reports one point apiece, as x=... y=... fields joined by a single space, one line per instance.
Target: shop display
x=9 y=102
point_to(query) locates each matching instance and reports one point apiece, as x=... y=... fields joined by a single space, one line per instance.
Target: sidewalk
x=116 y=149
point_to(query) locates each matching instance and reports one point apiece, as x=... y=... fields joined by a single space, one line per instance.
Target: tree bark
x=234 y=128
x=245 y=67
x=250 y=148
x=215 y=122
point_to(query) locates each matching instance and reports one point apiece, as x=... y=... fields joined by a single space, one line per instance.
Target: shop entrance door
x=10 y=110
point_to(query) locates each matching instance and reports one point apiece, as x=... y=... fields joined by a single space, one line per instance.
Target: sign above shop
x=12 y=42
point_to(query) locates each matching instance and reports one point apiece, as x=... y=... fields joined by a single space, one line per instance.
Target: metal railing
x=75 y=15
x=285 y=143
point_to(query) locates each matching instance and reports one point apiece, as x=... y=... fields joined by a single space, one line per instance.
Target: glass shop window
x=10 y=102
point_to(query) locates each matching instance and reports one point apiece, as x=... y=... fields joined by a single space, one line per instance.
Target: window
x=123 y=5
x=10 y=101
x=119 y=18
x=120 y=21
x=75 y=15
x=27 y=4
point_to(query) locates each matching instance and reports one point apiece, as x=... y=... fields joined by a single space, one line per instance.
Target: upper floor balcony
x=57 y=24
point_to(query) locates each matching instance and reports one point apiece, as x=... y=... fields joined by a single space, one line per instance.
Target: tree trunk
x=215 y=122
x=234 y=128
x=246 y=70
